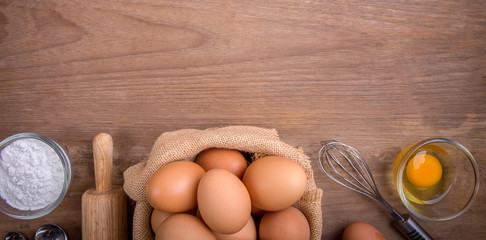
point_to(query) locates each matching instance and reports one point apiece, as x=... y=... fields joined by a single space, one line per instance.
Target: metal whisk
x=346 y=166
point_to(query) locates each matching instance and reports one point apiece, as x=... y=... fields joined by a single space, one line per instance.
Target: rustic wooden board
x=377 y=74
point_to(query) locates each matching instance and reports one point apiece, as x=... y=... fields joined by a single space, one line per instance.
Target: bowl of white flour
x=35 y=175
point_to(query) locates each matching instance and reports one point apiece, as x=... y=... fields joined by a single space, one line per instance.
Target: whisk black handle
x=411 y=229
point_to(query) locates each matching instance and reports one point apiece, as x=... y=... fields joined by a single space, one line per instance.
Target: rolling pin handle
x=103 y=161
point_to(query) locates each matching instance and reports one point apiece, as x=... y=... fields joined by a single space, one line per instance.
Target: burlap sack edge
x=185 y=144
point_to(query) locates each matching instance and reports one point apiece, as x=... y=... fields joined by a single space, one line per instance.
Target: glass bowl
x=20 y=164
x=437 y=179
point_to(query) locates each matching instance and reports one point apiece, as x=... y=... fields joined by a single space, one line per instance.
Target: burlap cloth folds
x=187 y=143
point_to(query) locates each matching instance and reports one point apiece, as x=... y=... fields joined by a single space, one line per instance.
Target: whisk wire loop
x=357 y=166
x=346 y=166
x=364 y=171
x=357 y=187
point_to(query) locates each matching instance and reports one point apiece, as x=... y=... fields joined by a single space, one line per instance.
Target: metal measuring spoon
x=50 y=232
x=14 y=236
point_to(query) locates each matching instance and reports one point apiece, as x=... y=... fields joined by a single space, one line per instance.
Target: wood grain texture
x=104 y=214
x=103 y=161
x=377 y=75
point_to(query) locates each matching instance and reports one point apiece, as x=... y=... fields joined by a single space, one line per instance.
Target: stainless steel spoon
x=50 y=232
x=14 y=236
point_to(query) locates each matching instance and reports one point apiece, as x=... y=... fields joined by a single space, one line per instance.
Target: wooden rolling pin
x=104 y=209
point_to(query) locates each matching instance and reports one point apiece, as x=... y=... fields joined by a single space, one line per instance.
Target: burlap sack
x=186 y=144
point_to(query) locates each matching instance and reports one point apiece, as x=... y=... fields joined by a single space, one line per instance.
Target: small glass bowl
x=453 y=194
x=65 y=160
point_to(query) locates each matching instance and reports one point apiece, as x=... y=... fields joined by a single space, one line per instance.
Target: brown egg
x=223 y=201
x=288 y=223
x=173 y=187
x=274 y=183
x=361 y=231
x=248 y=232
x=183 y=227
x=157 y=218
x=231 y=160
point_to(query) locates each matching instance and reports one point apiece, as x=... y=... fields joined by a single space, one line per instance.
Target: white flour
x=31 y=174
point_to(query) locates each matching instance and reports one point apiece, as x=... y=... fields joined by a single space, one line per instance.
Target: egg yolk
x=424 y=170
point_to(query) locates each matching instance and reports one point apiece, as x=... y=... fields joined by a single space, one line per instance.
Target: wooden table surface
x=375 y=74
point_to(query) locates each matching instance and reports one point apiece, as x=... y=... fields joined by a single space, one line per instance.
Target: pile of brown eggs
x=221 y=196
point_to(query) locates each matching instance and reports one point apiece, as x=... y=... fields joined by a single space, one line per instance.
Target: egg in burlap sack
x=186 y=144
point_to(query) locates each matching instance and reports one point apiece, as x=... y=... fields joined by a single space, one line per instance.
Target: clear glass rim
x=65 y=160
x=401 y=167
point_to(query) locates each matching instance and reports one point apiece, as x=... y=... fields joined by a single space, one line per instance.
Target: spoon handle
x=103 y=161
